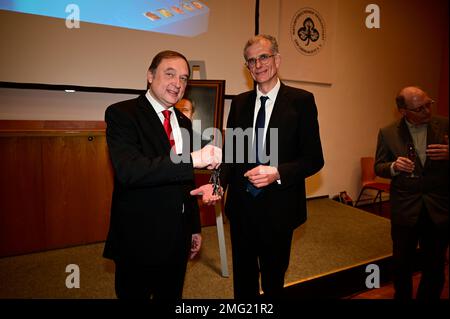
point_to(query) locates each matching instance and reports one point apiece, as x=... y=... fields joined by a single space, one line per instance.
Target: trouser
x=258 y=249
x=160 y=280
x=433 y=243
x=137 y=281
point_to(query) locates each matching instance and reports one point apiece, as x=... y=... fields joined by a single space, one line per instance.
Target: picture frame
x=208 y=97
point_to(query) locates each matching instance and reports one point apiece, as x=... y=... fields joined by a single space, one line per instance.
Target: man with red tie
x=155 y=224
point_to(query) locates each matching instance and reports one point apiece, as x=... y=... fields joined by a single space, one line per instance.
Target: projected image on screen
x=177 y=17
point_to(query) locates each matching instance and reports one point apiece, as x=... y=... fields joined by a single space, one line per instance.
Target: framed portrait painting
x=207 y=103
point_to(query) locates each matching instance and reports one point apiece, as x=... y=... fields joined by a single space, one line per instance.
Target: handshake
x=208 y=157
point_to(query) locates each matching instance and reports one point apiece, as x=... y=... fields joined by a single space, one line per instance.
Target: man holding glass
x=419 y=191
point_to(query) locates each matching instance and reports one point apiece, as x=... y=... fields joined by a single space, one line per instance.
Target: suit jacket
x=299 y=154
x=149 y=189
x=407 y=195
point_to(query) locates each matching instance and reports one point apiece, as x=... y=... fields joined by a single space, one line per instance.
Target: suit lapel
x=432 y=135
x=156 y=128
x=185 y=124
x=249 y=114
x=404 y=134
x=275 y=120
x=432 y=130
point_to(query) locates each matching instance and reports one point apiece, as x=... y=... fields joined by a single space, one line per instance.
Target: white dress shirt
x=272 y=95
x=173 y=121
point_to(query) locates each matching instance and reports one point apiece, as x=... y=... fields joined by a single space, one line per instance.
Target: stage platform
x=328 y=259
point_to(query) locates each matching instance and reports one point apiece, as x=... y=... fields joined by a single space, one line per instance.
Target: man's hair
x=167 y=54
x=259 y=37
x=400 y=100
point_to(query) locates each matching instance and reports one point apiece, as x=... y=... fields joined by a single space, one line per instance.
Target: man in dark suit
x=419 y=202
x=155 y=224
x=266 y=197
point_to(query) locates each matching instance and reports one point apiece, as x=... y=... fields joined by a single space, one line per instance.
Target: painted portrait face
x=185 y=106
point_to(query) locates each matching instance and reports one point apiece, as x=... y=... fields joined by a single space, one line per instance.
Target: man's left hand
x=207 y=194
x=196 y=244
x=262 y=175
x=438 y=152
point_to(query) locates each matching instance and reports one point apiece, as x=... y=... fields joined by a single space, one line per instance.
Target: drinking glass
x=411 y=154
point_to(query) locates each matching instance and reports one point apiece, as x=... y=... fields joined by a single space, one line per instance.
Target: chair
x=370 y=182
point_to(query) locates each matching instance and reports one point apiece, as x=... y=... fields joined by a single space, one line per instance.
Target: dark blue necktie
x=259 y=140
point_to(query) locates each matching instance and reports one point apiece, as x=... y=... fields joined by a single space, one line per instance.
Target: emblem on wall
x=308 y=32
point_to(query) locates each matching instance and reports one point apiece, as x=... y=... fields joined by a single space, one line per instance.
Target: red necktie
x=168 y=127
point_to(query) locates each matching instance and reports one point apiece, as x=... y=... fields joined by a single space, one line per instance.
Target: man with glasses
x=419 y=201
x=266 y=201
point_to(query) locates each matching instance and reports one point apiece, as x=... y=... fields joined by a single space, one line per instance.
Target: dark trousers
x=137 y=281
x=433 y=243
x=258 y=249
x=163 y=279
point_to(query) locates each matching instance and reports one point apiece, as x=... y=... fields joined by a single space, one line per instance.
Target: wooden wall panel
x=78 y=186
x=99 y=188
x=56 y=183
x=55 y=187
x=22 y=227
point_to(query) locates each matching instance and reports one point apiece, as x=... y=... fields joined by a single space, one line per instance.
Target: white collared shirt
x=173 y=121
x=419 y=137
x=272 y=95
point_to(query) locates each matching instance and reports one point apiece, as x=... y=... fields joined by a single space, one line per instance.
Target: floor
x=335 y=237
x=387 y=291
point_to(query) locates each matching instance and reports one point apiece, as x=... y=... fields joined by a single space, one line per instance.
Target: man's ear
x=278 y=60
x=149 y=77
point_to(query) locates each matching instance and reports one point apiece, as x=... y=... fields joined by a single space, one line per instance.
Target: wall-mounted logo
x=308 y=31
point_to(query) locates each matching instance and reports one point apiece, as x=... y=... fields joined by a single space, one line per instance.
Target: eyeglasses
x=263 y=59
x=421 y=108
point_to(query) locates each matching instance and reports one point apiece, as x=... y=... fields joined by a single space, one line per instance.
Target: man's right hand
x=210 y=157
x=403 y=164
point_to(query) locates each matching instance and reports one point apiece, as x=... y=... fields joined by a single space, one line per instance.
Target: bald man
x=419 y=201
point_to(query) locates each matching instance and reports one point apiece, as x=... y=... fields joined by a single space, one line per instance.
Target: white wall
x=370 y=66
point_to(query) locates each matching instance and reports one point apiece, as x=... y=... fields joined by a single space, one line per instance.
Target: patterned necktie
x=168 y=127
x=259 y=138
